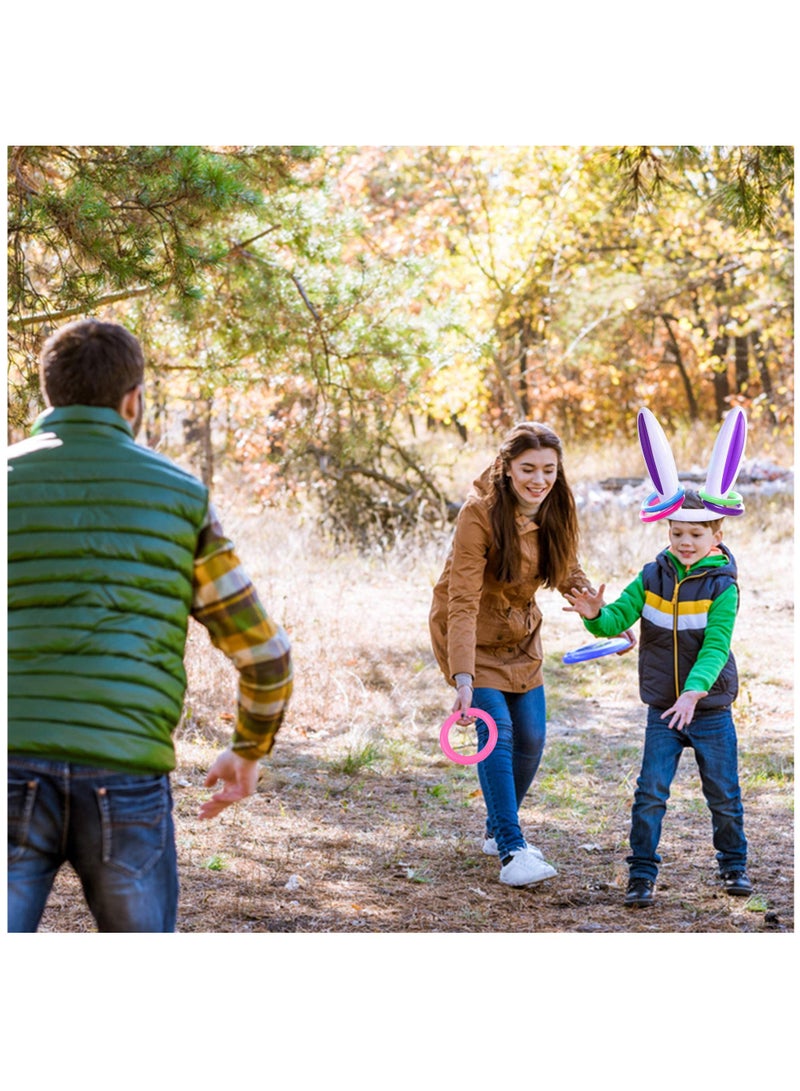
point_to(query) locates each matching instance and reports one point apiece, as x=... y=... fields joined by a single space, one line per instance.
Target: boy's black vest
x=673 y=627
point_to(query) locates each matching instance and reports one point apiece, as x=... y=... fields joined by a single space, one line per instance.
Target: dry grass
x=361 y=825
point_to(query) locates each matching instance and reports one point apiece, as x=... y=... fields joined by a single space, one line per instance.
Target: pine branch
x=69 y=312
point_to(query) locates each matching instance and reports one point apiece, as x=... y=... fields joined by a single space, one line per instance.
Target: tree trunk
x=197 y=434
x=720 y=380
x=509 y=388
x=722 y=386
x=677 y=358
x=763 y=373
x=741 y=363
x=155 y=423
x=208 y=447
x=459 y=427
x=719 y=349
x=524 y=399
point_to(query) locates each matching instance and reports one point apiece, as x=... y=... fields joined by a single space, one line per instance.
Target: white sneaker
x=490 y=848
x=525 y=868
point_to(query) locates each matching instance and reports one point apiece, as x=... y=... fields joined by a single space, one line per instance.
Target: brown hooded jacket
x=480 y=626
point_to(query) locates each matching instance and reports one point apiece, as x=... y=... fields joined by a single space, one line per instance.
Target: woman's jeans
x=712 y=736
x=115 y=829
x=506 y=775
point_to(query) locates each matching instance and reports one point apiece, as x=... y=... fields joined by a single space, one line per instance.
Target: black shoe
x=639 y=892
x=736 y=882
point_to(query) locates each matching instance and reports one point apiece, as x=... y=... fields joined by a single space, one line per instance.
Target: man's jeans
x=712 y=735
x=508 y=772
x=114 y=828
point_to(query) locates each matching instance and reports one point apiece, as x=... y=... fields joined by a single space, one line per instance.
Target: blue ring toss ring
x=651 y=509
x=609 y=646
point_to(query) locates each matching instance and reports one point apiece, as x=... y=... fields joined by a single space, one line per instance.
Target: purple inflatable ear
x=660 y=463
x=657 y=454
x=726 y=458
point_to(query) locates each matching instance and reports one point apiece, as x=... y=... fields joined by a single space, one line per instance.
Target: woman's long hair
x=557 y=517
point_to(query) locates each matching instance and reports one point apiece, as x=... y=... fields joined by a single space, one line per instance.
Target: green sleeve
x=620 y=614
x=716 y=645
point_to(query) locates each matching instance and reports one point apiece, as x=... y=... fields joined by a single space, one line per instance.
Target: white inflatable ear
x=723 y=469
x=661 y=467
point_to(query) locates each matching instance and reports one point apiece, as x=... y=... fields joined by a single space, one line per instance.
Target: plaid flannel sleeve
x=227 y=604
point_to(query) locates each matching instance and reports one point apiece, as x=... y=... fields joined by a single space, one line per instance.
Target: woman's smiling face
x=533 y=474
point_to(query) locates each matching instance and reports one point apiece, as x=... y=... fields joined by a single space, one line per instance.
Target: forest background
x=317 y=316
x=337 y=337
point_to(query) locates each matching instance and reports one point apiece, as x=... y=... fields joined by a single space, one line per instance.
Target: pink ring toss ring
x=468 y=759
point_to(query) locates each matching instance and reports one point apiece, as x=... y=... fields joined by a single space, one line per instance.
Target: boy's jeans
x=713 y=737
x=114 y=828
x=506 y=775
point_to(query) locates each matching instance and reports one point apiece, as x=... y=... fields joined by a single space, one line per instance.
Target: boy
x=687 y=600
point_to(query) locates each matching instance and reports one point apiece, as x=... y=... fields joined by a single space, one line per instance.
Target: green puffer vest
x=101 y=541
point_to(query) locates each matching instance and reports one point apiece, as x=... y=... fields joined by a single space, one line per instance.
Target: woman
x=517 y=531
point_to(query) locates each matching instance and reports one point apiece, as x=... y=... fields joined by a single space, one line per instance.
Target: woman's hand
x=585 y=601
x=464 y=697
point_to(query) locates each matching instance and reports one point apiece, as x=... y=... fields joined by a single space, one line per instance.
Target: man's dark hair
x=90 y=363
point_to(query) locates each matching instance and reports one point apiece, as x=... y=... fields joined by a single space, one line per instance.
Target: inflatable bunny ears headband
x=718 y=496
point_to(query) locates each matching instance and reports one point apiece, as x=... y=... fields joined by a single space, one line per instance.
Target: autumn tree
x=310 y=313
x=268 y=330
x=574 y=307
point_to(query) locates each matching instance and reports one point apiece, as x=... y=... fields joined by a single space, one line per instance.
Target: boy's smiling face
x=690 y=542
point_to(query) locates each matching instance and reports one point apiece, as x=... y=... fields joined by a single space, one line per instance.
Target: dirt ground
x=320 y=852
x=361 y=825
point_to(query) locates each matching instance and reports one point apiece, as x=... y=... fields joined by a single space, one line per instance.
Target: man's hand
x=239 y=777
x=586 y=601
x=682 y=711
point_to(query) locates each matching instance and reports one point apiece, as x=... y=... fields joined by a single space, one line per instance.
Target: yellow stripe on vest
x=661 y=612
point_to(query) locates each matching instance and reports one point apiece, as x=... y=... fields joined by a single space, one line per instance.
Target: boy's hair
x=692 y=501
x=90 y=363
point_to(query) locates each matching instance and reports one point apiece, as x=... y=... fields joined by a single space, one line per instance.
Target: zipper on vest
x=674 y=604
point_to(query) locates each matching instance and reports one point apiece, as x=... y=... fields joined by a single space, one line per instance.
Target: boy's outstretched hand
x=587 y=602
x=682 y=711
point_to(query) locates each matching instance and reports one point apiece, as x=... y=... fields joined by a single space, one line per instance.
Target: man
x=111 y=548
